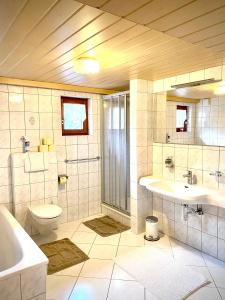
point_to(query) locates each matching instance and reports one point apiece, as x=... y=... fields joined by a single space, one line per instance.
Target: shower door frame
x=127 y=122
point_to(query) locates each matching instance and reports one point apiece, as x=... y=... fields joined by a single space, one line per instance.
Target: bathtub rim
x=32 y=256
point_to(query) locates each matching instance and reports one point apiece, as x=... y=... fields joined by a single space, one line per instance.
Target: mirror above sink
x=191 y=115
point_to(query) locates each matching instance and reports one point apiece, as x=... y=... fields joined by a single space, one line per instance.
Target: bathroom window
x=181 y=118
x=74 y=116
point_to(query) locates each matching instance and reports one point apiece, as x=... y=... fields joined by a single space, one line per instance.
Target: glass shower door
x=116 y=152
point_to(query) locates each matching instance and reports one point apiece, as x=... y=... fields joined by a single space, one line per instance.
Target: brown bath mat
x=62 y=254
x=106 y=226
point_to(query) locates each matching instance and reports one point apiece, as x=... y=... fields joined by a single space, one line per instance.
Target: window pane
x=180 y=118
x=74 y=116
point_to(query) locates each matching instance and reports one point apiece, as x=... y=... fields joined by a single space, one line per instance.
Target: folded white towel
x=36 y=161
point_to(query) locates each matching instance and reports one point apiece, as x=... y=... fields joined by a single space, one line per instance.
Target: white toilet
x=45 y=216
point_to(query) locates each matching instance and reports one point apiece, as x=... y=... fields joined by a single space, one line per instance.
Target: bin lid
x=152 y=219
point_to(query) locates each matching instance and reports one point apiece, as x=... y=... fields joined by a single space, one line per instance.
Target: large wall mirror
x=192 y=115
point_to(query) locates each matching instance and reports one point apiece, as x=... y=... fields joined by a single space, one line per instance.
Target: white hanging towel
x=36 y=161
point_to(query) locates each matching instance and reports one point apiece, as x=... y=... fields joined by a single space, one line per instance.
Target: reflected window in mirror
x=182 y=118
x=74 y=116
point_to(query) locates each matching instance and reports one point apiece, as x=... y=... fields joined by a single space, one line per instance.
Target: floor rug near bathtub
x=106 y=226
x=62 y=254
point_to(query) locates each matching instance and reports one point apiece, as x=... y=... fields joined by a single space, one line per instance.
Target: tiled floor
x=99 y=278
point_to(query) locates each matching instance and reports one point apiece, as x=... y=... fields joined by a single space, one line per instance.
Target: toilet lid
x=46 y=211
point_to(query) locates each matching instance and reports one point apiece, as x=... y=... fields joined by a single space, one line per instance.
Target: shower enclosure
x=115 y=151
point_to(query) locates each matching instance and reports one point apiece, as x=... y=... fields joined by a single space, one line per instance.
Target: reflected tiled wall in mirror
x=206 y=122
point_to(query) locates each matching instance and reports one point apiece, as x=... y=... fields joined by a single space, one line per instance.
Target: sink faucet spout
x=189 y=176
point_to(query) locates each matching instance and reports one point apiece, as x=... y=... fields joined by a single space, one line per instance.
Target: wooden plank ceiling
x=39 y=40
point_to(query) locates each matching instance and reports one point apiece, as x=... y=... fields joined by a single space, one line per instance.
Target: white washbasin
x=192 y=194
x=180 y=191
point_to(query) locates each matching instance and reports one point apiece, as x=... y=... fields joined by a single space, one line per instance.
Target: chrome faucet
x=189 y=176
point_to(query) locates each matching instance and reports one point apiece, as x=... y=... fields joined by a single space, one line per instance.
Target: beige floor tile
x=97 y=268
x=83 y=237
x=163 y=243
x=130 y=239
x=205 y=272
x=84 y=247
x=109 y=240
x=71 y=226
x=59 y=287
x=212 y=261
x=124 y=290
x=95 y=273
x=125 y=249
x=187 y=255
x=218 y=275
x=53 y=236
x=119 y=273
x=103 y=251
x=45 y=238
x=61 y=234
x=71 y=271
x=93 y=217
x=84 y=228
x=205 y=293
x=90 y=289
x=222 y=293
x=149 y=296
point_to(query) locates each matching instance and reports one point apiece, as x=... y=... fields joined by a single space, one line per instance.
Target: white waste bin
x=151 y=231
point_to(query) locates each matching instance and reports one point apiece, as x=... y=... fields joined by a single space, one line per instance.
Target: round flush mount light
x=86 y=65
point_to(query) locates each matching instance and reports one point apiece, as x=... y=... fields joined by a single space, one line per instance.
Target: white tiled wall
x=206 y=232
x=115 y=214
x=210 y=121
x=32 y=188
x=141 y=134
x=159 y=117
x=36 y=113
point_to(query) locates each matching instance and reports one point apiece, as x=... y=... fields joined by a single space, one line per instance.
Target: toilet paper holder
x=62 y=179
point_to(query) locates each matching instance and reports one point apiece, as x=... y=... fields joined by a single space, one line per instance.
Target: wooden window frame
x=75 y=100
x=184 y=128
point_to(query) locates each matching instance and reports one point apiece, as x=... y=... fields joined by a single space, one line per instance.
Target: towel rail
x=70 y=161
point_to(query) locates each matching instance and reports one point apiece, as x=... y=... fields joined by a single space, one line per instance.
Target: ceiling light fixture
x=220 y=90
x=86 y=65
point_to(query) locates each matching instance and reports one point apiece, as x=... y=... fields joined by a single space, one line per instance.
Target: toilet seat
x=46 y=211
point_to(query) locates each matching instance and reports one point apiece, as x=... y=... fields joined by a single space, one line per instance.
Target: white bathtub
x=22 y=263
